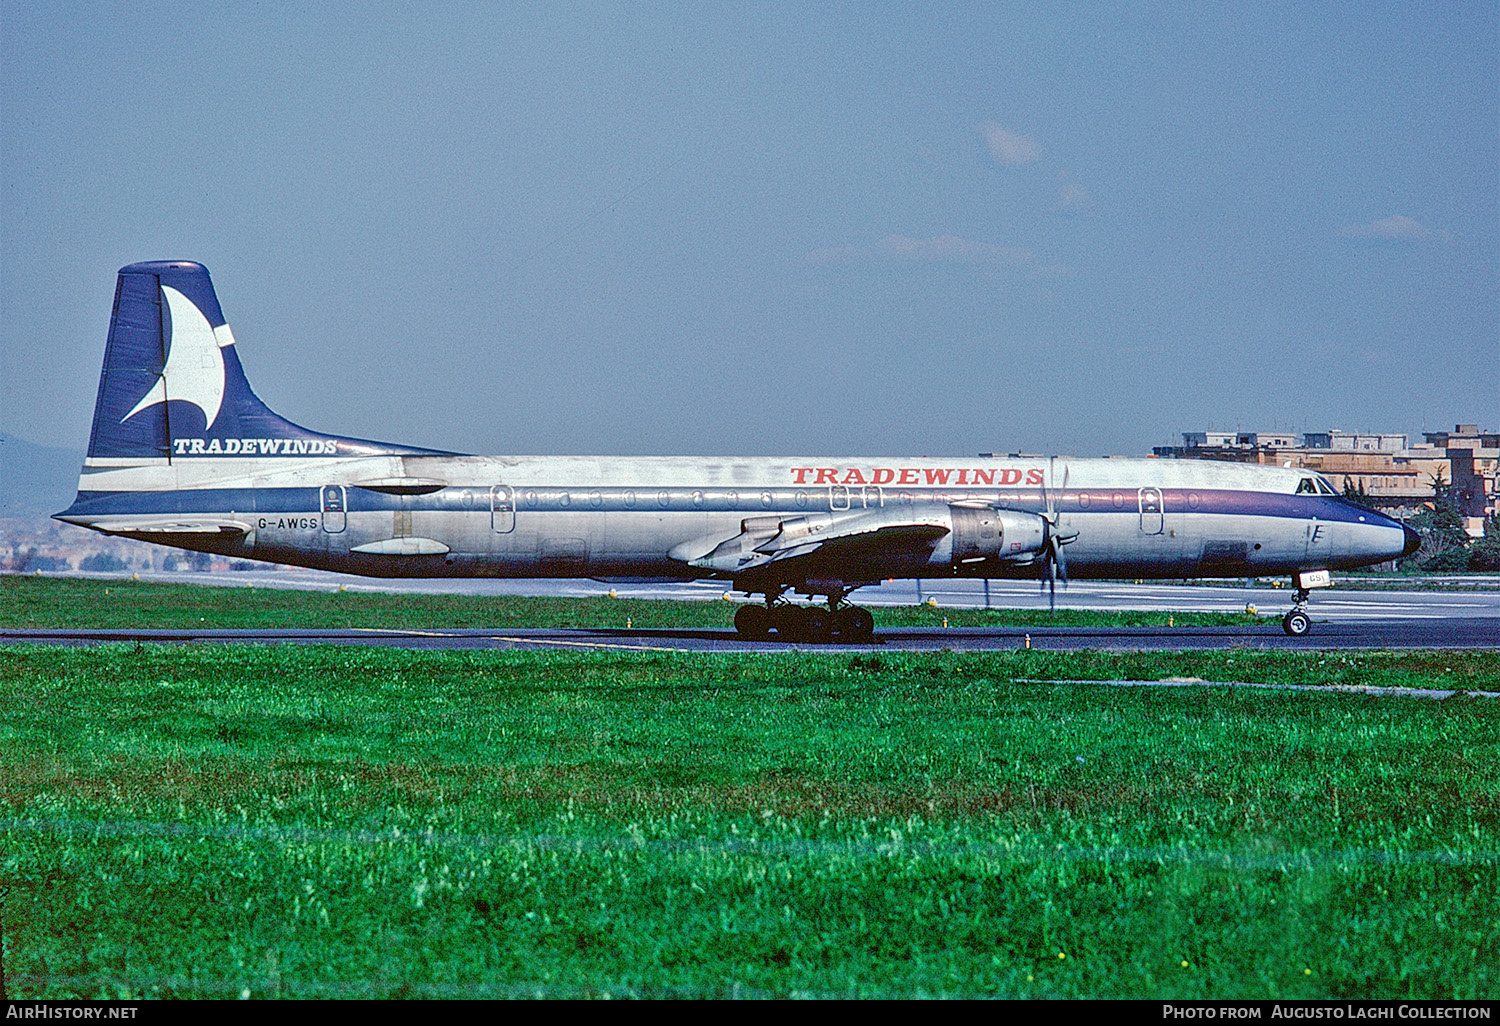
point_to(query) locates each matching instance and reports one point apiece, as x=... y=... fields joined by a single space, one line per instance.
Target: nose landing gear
x=1297 y=622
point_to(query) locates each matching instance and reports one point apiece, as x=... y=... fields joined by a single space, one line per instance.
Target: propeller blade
x=1058 y=541
x=1057 y=563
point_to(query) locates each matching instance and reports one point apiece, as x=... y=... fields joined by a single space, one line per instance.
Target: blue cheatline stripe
x=744 y=501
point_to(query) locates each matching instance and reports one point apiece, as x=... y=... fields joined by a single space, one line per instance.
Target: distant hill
x=35 y=481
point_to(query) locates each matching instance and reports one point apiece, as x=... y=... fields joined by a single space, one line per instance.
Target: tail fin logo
x=194 y=372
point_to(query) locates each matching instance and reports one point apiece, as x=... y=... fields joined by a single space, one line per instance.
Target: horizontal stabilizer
x=167 y=525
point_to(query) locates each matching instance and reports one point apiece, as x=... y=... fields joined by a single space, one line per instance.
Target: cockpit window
x=1325 y=488
x=1306 y=487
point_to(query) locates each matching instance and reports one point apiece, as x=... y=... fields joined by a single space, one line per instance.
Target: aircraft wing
x=852 y=538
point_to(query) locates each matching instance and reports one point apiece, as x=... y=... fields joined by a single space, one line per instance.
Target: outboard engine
x=986 y=533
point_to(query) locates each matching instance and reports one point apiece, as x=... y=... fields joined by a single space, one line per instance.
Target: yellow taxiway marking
x=515 y=641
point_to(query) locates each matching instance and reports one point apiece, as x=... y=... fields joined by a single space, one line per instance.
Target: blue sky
x=756 y=229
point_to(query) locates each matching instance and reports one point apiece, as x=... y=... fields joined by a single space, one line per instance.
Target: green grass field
x=288 y=821
x=79 y=602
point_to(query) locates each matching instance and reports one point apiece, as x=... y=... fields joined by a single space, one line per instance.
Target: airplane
x=183 y=453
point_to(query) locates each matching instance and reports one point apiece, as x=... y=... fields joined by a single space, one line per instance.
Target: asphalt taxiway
x=1431 y=633
x=1465 y=614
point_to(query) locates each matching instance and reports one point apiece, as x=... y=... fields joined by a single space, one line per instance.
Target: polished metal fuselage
x=607 y=517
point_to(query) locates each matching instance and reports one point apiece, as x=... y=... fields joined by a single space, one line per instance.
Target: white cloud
x=1397 y=226
x=1009 y=148
x=941 y=247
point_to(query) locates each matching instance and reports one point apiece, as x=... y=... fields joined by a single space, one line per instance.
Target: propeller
x=1057 y=537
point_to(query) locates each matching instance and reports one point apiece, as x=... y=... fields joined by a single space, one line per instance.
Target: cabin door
x=502 y=509
x=331 y=503
x=1153 y=518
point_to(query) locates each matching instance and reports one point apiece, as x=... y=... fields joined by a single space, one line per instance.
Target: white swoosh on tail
x=195 y=368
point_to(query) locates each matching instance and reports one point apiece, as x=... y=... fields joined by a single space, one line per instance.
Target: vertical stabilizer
x=173 y=388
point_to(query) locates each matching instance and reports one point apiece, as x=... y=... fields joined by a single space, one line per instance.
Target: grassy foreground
x=249 y=820
x=81 y=602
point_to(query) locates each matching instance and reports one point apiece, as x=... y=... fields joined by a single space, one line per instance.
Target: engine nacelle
x=985 y=533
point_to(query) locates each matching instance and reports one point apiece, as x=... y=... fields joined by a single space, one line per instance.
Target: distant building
x=1208 y=440
x=1463 y=436
x=1473 y=456
x=1389 y=472
x=1236 y=439
x=1357 y=441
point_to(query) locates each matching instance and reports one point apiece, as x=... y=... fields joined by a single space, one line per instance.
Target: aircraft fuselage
x=620 y=517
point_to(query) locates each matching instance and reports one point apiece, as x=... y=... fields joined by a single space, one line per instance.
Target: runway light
x=1028 y=641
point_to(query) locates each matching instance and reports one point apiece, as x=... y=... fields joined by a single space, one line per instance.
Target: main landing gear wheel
x=1296 y=623
x=812 y=625
x=753 y=622
x=853 y=623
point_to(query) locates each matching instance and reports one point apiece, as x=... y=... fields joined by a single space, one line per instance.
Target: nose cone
x=1413 y=541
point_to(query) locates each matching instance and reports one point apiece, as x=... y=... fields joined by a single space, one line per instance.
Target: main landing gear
x=784 y=621
x=1297 y=622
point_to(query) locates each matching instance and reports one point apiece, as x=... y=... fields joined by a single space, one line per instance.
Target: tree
x=1357 y=496
x=1445 y=544
x=1484 y=555
x=101 y=562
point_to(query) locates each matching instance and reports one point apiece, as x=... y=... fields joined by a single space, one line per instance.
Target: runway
x=1429 y=633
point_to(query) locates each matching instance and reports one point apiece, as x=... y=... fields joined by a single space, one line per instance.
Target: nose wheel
x=1297 y=622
